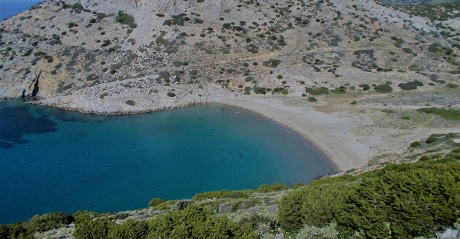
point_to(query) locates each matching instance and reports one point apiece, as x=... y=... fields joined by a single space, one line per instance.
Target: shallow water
x=56 y=160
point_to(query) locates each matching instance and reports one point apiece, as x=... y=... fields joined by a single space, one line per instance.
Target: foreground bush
x=399 y=201
x=45 y=222
x=93 y=228
x=49 y=221
x=196 y=222
x=129 y=229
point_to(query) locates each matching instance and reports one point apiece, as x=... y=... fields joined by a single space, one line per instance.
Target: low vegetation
x=410 y=85
x=451 y=114
x=126 y=19
x=317 y=91
x=383 y=88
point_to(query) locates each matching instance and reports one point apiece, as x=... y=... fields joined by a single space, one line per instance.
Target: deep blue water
x=56 y=160
x=9 y=8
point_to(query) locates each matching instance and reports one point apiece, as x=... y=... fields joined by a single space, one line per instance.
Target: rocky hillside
x=144 y=55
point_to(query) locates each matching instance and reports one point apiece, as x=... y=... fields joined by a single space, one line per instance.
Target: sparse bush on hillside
x=451 y=85
x=92 y=77
x=126 y=19
x=410 y=85
x=317 y=91
x=176 y=20
x=383 y=88
x=312 y=99
x=271 y=63
x=415 y=144
x=339 y=90
x=130 y=102
x=365 y=86
x=260 y=90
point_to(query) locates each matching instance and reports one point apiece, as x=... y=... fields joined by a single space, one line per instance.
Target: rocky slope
x=93 y=54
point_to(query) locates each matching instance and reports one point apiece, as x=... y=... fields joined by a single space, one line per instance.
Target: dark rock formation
x=36 y=89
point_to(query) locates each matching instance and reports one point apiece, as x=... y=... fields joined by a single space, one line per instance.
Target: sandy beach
x=330 y=132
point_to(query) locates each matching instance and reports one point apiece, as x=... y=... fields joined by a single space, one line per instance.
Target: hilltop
x=137 y=56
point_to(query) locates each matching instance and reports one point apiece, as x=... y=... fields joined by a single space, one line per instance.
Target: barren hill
x=96 y=56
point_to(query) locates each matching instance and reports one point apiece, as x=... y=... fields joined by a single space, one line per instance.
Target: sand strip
x=329 y=132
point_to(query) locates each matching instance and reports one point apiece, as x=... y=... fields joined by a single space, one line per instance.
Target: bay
x=56 y=160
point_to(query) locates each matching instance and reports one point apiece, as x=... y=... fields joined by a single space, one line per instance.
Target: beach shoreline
x=330 y=133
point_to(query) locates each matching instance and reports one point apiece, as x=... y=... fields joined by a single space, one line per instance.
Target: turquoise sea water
x=56 y=160
x=9 y=8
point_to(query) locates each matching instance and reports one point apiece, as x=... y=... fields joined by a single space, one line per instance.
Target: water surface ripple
x=56 y=160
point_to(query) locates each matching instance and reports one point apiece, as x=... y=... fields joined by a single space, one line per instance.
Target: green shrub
x=317 y=91
x=405 y=117
x=92 y=77
x=260 y=90
x=329 y=232
x=395 y=201
x=103 y=95
x=176 y=20
x=391 y=202
x=452 y=114
x=100 y=16
x=49 y=221
x=124 y=18
x=312 y=99
x=265 y=188
x=435 y=47
x=130 y=102
x=223 y=194
x=130 y=229
x=171 y=94
x=383 y=88
x=365 y=86
x=415 y=144
x=87 y=228
x=252 y=48
x=196 y=222
x=433 y=138
x=15 y=230
x=407 y=50
x=177 y=63
x=399 y=41
x=271 y=63
x=451 y=85
x=339 y=90
x=155 y=202
x=410 y=85
x=116 y=66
